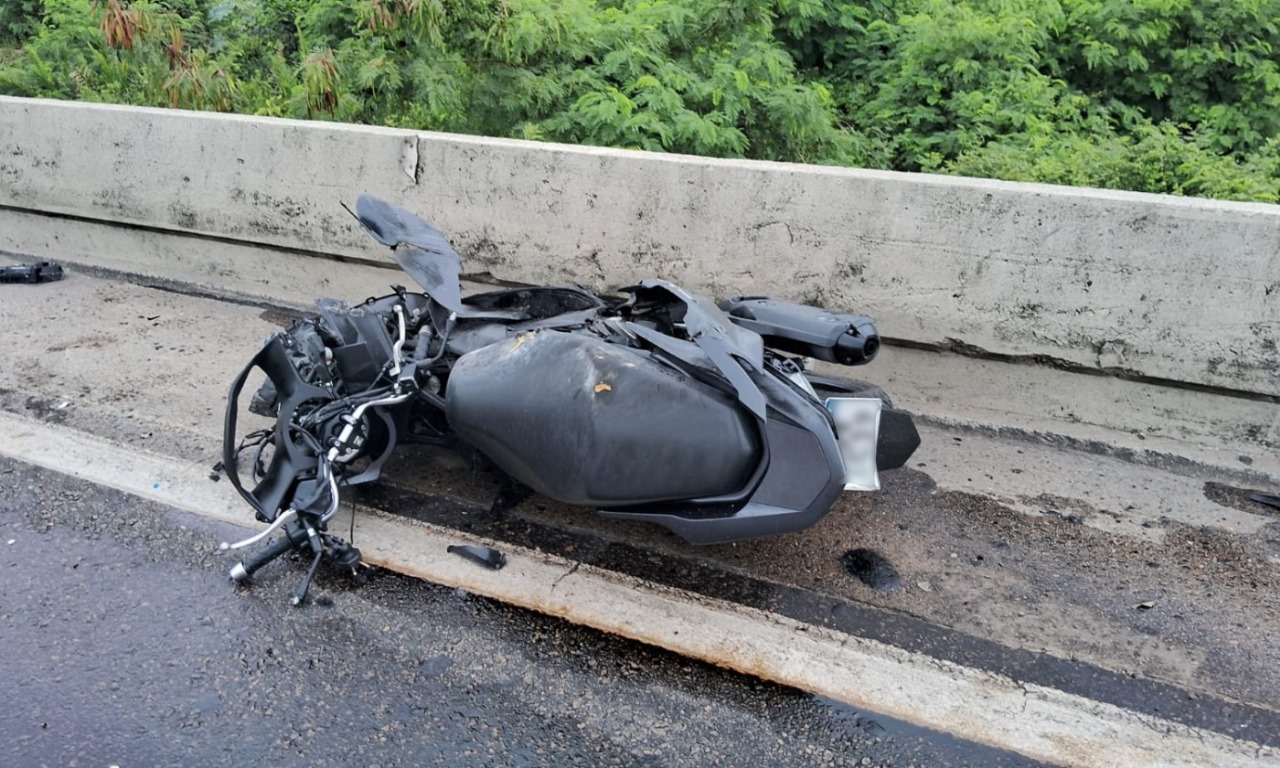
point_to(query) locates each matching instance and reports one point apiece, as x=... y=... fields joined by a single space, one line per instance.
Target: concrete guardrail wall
x=1170 y=288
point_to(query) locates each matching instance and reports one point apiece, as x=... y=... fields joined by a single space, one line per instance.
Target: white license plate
x=857 y=433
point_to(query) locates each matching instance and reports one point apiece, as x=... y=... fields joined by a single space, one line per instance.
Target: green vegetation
x=1176 y=96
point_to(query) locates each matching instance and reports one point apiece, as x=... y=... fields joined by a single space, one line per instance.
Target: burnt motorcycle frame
x=350 y=385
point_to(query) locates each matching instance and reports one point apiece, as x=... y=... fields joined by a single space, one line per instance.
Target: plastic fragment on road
x=1271 y=500
x=487 y=556
x=35 y=272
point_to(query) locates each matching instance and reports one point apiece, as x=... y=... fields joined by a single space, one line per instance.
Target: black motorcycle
x=656 y=405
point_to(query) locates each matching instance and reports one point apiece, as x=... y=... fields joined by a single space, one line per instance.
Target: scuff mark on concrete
x=961 y=347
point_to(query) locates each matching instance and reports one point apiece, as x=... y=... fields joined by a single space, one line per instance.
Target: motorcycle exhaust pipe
x=835 y=337
x=856 y=348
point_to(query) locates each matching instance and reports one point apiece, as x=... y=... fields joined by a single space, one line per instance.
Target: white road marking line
x=1036 y=721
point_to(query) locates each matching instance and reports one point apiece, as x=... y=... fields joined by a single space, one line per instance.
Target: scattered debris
x=35 y=272
x=1071 y=519
x=48 y=409
x=924 y=586
x=486 y=556
x=872 y=569
x=1145 y=606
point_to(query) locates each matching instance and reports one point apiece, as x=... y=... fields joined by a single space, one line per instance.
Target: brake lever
x=280 y=520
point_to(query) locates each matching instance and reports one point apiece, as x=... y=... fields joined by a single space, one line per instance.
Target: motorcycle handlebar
x=250 y=565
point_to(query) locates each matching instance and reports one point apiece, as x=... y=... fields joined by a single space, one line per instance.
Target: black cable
x=311 y=440
x=259 y=469
x=324 y=412
x=258 y=439
x=444 y=343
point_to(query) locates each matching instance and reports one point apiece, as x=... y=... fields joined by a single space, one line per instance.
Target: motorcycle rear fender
x=899 y=437
x=804 y=477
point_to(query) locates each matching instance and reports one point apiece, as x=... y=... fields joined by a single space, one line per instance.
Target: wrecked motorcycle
x=656 y=405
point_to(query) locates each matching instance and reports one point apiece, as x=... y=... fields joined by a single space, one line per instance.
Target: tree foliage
x=1178 y=96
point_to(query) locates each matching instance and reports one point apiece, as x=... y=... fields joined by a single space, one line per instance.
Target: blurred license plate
x=857 y=433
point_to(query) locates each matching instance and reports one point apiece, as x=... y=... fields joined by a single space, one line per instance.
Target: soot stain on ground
x=872 y=569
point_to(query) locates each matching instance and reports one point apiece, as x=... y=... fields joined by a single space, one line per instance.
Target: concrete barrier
x=1168 y=288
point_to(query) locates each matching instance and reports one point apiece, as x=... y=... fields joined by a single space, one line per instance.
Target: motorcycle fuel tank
x=597 y=424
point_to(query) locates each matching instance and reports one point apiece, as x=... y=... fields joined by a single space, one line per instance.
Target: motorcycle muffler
x=836 y=337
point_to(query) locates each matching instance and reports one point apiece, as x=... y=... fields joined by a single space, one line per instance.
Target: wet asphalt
x=123 y=643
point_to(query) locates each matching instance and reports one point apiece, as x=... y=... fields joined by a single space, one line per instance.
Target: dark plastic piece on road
x=1271 y=500
x=872 y=569
x=487 y=556
x=36 y=272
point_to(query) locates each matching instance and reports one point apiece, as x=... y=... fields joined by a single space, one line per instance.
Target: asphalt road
x=124 y=644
